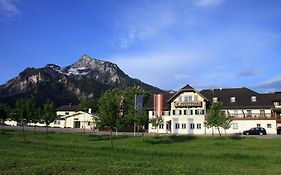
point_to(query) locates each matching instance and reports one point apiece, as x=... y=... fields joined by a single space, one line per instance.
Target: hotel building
x=185 y=111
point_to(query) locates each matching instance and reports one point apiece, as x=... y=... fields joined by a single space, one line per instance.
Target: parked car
x=279 y=130
x=255 y=131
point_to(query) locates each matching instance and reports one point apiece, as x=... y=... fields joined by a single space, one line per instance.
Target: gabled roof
x=78 y=113
x=274 y=97
x=242 y=98
x=186 y=88
x=68 y=108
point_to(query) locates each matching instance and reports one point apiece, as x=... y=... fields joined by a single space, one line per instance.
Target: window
x=89 y=123
x=253 y=98
x=258 y=125
x=187 y=98
x=185 y=112
x=177 y=125
x=66 y=113
x=174 y=112
x=75 y=118
x=269 y=125
x=199 y=111
x=191 y=112
x=235 y=125
x=191 y=125
x=215 y=99
x=152 y=113
x=262 y=113
x=249 y=113
x=195 y=97
x=198 y=125
x=183 y=125
x=161 y=126
x=179 y=112
x=232 y=99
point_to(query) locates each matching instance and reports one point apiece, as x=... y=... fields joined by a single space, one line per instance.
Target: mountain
x=86 y=78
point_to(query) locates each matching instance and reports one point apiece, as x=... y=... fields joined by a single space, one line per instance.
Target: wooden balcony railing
x=254 y=116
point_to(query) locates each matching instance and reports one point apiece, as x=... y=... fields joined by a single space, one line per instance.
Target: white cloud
x=137 y=25
x=8 y=8
x=160 y=69
x=181 y=77
x=273 y=84
x=207 y=3
x=248 y=73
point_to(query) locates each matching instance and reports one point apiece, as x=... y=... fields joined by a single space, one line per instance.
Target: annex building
x=185 y=111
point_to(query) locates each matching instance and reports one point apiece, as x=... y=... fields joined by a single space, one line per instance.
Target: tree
x=25 y=109
x=36 y=118
x=110 y=113
x=4 y=113
x=48 y=114
x=141 y=121
x=88 y=103
x=226 y=123
x=216 y=118
x=156 y=122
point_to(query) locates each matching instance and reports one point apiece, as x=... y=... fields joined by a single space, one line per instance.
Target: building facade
x=185 y=111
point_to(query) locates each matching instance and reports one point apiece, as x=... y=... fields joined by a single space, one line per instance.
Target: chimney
x=90 y=110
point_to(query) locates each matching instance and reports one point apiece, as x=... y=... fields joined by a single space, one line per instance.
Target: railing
x=253 y=116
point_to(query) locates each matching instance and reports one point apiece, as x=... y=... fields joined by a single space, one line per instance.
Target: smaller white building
x=77 y=119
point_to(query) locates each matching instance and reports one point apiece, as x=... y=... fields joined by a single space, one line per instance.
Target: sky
x=165 y=43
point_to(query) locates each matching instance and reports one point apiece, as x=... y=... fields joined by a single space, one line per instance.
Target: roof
x=242 y=98
x=274 y=97
x=78 y=113
x=68 y=108
x=186 y=88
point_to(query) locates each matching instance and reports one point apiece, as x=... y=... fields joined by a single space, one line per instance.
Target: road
x=88 y=131
x=72 y=130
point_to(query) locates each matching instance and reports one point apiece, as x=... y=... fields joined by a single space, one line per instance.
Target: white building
x=69 y=117
x=185 y=112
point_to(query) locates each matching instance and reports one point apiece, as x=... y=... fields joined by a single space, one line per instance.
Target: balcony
x=254 y=116
x=185 y=104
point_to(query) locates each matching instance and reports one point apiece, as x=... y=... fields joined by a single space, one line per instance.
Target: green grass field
x=85 y=154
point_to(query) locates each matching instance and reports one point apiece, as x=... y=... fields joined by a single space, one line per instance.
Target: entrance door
x=76 y=124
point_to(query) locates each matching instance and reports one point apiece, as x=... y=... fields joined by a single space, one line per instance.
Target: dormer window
x=253 y=98
x=215 y=99
x=232 y=99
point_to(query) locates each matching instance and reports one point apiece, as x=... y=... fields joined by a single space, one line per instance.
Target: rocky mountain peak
x=85 y=59
x=53 y=66
x=86 y=78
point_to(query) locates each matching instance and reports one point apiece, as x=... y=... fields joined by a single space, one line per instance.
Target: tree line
x=115 y=108
x=26 y=112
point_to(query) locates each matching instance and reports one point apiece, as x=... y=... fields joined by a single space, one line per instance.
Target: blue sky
x=166 y=43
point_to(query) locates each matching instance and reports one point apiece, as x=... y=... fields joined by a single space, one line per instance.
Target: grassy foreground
x=85 y=154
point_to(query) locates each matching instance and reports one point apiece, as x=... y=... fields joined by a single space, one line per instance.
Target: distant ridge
x=86 y=78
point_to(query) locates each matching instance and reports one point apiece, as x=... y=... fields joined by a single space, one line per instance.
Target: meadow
x=88 y=154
